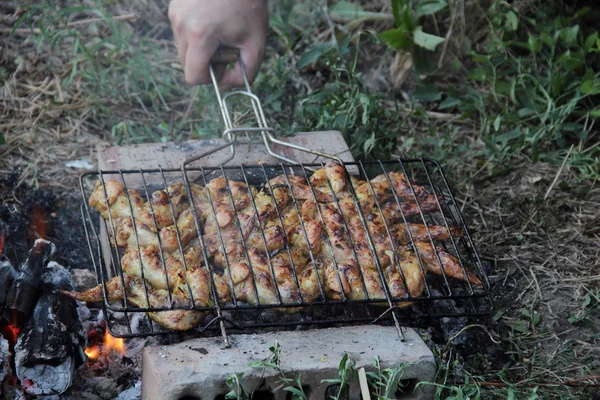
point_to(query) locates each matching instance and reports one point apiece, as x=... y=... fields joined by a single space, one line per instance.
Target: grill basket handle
x=225 y=55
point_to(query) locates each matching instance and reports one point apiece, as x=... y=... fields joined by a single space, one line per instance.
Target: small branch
x=558 y=173
x=38 y=31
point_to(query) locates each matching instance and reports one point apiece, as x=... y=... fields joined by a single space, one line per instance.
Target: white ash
x=79 y=164
x=4 y=363
x=83 y=311
x=57 y=276
x=133 y=393
x=83 y=279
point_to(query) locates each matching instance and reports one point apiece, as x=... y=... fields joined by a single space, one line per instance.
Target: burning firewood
x=46 y=358
x=19 y=287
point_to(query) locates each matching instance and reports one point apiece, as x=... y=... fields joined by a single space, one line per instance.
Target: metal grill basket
x=447 y=293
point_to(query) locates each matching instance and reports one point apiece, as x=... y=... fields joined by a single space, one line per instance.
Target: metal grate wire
x=441 y=296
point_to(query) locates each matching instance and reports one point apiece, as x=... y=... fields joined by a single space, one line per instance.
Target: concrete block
x=199 y=368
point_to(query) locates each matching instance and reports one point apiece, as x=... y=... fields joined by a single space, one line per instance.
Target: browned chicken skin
x=293 y=237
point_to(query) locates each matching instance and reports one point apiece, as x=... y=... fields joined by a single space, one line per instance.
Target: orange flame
x=110 y=343
x=92 y=353
x=38 y=227
x=11 y=333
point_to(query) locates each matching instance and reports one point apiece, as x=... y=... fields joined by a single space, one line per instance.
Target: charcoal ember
x=50 y=345
x=107 y=388
x=19 y=288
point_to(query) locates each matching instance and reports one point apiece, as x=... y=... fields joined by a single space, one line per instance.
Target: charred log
x=51 y=344
x=19 y=288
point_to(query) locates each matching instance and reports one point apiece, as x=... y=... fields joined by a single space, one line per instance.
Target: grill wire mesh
x=440 y=296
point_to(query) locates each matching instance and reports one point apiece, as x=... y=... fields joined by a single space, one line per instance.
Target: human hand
x=200 y=27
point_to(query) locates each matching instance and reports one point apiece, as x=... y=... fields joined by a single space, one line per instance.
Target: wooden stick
x=364 y=387
x=38 y=31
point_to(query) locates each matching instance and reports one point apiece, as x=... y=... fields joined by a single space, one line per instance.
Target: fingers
x=197 y=58
x=251 y=54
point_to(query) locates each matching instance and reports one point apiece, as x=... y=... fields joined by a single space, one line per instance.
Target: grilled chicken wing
x=125 y=235
x=121 y=203
x=450 y=264
x=152 y=263
x=160 y=204
x=178 y=320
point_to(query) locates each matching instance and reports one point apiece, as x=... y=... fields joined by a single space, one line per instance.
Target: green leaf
x=594 y=114
x=547 y=39
x=590 y=42
x=497 y=315
x=330 y=381
x=428 y=7
x=534 y=395
x=396 y=4
x=497 y=122
x=518 y=325
x=369 y=144
x=525 y=111
x=505 y=137
x=536 y=318
x=591 y=86
x=512 y=22
x=295 y=391
x=426 y=40
x=407 y=19
x=569 y=35
x=397 y=38
x=511 y=394
x=311 y=56
x=586 y=301
x=534 y=43
x=347 y=10
x=449 y=102
x=427 y=93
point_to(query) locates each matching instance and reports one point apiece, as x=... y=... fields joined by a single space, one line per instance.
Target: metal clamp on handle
x=227 y=55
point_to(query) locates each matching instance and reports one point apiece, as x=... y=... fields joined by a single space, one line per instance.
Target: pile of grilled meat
x=293 y=241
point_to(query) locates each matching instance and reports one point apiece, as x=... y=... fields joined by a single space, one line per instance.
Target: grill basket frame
x=460 y=298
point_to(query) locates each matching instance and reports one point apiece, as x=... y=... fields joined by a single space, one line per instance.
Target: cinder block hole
x=258 y=395
x=333 y=390
x=305 y=388
x=406 y=388
x=187 y=397
x=263 y=395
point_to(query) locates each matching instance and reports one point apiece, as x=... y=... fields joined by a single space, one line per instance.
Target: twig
x=558 y=173
x=548 y=191
x=468 y=327
x=189 y=108
x=38 y=31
